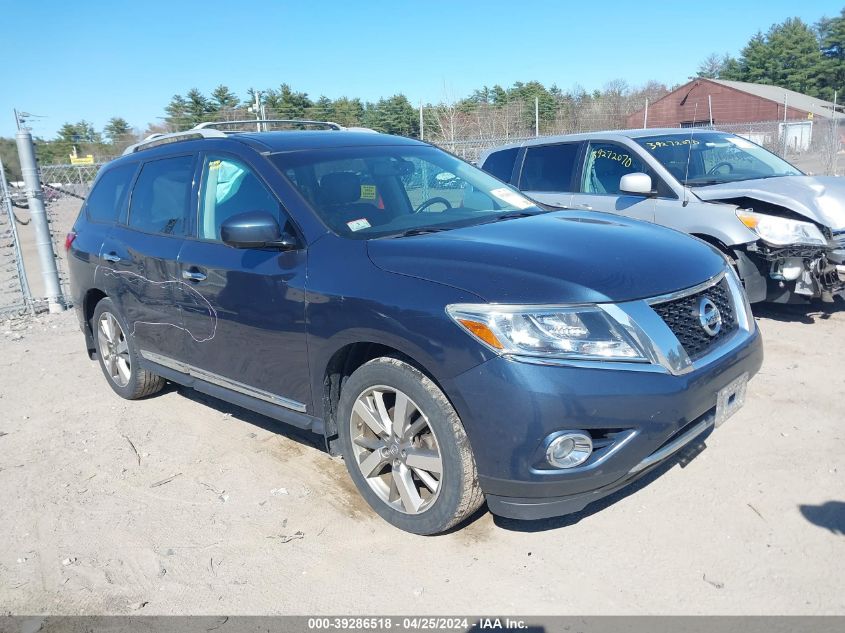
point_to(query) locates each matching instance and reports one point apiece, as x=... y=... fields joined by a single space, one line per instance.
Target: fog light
x=569 y=449
x=788 y=269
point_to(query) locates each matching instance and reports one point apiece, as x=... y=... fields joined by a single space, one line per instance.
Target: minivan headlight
x=577 y=332
x=781 y=231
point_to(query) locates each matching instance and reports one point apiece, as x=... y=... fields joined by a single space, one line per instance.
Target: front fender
x=404 y=313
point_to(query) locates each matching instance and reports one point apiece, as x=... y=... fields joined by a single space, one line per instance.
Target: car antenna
x=689 y=155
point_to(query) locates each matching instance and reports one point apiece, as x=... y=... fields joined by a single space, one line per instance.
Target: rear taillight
x=69 y=240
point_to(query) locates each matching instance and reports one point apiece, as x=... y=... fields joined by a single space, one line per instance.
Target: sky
x=93 y=59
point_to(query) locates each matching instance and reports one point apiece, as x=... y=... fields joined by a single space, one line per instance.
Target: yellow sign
x=368 y=192
x=82 y=160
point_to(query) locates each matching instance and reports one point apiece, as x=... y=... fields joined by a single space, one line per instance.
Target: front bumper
x=510 y=408
x=822 y=274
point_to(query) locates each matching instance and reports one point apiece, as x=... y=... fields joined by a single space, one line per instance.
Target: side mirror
x=637 y=183
x=255 y=229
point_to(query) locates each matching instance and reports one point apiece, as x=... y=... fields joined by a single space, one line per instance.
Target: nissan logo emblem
x=709 y=316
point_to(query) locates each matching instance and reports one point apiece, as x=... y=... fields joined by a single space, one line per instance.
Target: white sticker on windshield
x=740 y=142
x=511 y=197
x=357 y=225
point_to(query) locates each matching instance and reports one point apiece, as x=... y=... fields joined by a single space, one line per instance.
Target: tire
x=118 y=356
x=402 y=483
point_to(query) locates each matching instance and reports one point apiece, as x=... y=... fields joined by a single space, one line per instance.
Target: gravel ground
x=184 y=504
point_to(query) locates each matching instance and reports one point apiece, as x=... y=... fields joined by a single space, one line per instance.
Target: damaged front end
x=797 y=273
x=797 y=260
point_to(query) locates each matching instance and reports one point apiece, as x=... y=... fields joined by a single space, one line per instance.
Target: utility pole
x=536 y=116
x=710 y=108
x=46 y=256
x=422 y=125
x=835 y=140
x=645 y=115
x=785 y=109
x=257 y=109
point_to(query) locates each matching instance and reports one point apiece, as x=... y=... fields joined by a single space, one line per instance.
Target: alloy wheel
x=395 y=449
x=114 y=349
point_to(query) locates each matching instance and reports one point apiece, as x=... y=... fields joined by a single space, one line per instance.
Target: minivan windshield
x=710 y=158
x=398 y=190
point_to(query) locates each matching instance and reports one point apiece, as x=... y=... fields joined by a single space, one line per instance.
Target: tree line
x=792 y=54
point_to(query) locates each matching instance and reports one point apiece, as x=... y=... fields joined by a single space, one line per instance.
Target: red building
x=720 y=102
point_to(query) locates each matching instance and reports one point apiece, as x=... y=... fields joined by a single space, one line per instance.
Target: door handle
x=111 y=257
x=193 y=275
x=586 y=207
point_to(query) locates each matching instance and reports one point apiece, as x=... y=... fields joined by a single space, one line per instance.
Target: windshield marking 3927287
x=709 y=158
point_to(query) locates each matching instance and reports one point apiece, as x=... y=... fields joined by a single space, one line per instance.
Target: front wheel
x=406 y=449
x=118 y=355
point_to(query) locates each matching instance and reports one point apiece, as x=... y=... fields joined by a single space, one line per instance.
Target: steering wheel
x=715 y=168
x=431 y=201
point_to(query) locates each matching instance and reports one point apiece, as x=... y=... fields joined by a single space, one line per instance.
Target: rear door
x=549 y=172
x=605 y=163
x=243 y=309
x=139 y=256
x=104 y=205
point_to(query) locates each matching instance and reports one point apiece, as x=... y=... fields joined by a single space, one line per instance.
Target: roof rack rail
x=154 y=140
x=213 y=124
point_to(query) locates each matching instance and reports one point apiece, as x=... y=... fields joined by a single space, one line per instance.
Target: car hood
x=818 y=198
x=558 y=257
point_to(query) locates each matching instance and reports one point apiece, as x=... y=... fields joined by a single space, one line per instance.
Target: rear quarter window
x=549 y=167
x=161 y=196
x=109 y=194
x=500 y=164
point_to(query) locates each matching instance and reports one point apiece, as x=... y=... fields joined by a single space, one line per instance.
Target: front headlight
x=781 y=231
x=578 y=332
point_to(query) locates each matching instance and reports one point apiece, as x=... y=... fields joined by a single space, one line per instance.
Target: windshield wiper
x=422 y=230
x=514 y=215
x=700 y=183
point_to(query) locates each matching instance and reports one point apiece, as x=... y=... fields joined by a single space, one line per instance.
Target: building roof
x=819 y=107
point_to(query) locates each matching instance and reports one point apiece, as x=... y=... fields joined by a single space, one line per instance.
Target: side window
x=109 y=194
x=500 y=164
x=229 y=187
x=549 y=167
x=161 y=196
x=605 y=165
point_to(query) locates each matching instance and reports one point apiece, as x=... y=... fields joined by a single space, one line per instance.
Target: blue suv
x=452 y=339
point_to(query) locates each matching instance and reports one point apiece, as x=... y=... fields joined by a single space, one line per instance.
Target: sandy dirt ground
x=182 y=504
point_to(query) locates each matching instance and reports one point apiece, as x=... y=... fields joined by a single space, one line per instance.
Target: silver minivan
x=783 y=230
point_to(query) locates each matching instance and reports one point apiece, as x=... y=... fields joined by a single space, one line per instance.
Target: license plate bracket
x=730 y=398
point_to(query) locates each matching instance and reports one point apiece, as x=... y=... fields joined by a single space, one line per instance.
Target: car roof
x=268 y=142
x=319 y=139
x=608 y=135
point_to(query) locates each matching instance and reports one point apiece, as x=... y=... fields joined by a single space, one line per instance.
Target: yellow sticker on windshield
x=368 y=192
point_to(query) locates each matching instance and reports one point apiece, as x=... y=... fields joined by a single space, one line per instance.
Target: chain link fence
x=816 y=149
x=15 y=296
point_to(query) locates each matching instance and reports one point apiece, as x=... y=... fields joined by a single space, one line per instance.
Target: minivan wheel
x=406 y=449
x=118 y=357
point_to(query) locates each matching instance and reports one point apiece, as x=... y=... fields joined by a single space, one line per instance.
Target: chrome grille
x=682 y=317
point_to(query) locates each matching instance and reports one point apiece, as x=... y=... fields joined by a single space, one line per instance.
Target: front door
x=604 y=165
x=139 y=256
x=244 y=309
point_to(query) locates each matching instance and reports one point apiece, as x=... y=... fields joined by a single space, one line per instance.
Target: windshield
x=381 y=191
x=709 y=158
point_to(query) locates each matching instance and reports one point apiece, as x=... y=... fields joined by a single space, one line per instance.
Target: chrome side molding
x=222 y=381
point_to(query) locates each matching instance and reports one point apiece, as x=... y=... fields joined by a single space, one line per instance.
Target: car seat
x=340 y=194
